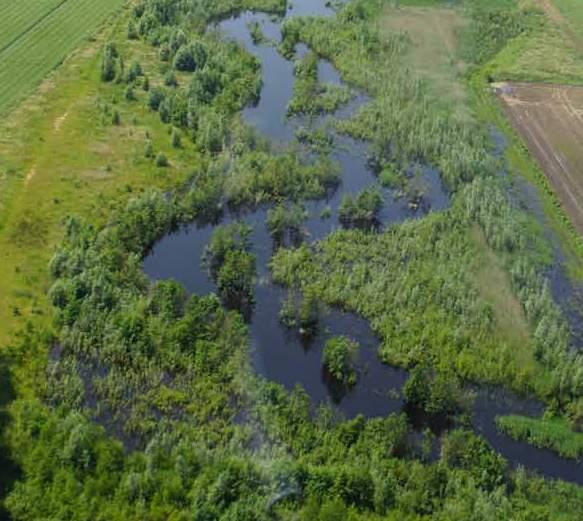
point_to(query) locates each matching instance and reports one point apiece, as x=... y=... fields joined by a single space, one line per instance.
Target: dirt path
x=30 y=175
x=59 y=121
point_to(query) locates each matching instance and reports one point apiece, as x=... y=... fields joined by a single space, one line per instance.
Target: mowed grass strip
x=29 y=58
x=19 y=17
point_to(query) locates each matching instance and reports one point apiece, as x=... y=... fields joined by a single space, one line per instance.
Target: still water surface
x=285 y=356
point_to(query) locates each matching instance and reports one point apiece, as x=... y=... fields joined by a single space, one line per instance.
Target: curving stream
x=284 y=356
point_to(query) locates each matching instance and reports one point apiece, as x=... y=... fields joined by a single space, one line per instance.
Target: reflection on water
x=279 y=354
x=285 y=356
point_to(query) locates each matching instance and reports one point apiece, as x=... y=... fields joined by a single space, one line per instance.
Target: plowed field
x=550 y=119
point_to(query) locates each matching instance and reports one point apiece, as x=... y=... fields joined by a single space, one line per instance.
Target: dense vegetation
x=149 y=409
x=339 y=359
x=548 y=433
x=310 y=96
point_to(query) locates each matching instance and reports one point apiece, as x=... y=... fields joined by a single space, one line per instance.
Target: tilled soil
x=550 y=119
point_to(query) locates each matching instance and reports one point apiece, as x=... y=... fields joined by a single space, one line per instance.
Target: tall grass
x=554 y=433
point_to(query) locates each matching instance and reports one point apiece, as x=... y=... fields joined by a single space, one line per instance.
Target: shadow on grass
x=9 y=470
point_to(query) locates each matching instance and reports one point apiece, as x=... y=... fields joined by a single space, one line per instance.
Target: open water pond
x=284 y=355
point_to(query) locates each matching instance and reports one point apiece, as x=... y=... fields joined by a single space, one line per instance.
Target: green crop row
x=49 y=31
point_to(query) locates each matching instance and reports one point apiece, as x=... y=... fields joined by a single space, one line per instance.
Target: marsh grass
x=548 y=433
x=433 y=52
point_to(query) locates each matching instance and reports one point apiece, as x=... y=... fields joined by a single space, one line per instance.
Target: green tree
x=109 y=62
x=161 y=160
x=235 y=278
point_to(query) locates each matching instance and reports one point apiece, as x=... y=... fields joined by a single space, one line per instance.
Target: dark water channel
x=283 y=355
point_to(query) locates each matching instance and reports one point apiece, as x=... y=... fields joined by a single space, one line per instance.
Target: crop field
x=36 y=35
x=550 y=119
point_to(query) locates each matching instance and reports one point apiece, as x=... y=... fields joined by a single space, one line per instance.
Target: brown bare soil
x=550 y=119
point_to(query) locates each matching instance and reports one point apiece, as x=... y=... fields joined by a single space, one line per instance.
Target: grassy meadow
x=59 y=155
x=552 y=433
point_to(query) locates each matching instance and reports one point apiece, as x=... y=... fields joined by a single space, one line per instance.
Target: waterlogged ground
x=284 y=355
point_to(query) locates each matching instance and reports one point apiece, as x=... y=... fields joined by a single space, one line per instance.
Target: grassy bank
x=555 y=434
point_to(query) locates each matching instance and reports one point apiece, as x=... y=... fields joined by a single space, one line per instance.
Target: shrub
x=161 y=160
x=175 y=138
x=149 y=150
x=156 y=98
x=362 y=210
x=170 y=79
x=109 y=63
x=339 y=359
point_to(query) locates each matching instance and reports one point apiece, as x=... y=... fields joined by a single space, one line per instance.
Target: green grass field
x=20 y=17
x=54 y=163
x=37 y=35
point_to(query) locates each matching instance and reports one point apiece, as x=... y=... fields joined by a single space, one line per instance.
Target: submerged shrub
x=362 y=210
x=339 y=359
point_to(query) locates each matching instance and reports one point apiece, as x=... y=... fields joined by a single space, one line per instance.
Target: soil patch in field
x=550 y=119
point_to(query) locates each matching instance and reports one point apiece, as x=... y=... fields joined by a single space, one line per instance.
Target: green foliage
x=161 y=160
x=175 y=138
x=110 y=63
x=191 y=57
x=225 y=239
x=137 y=418
x=116 y=118
x=129 y=94
x=308 y=313
x=282 y=220
x=135 y=71
x=235 y=278
x=155 y=98
x=433 y=393
x=259 y=176
x=362 y=210
x=170 y=79
x=463 y=449
x=256 y=33
x=312 y=98
x=230 y=263
x=339 y=359
x=548 y=433
x=492 y=26
x=132 y=31
x=149 y=150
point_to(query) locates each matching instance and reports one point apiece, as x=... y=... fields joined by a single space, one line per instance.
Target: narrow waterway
x=283 y=355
